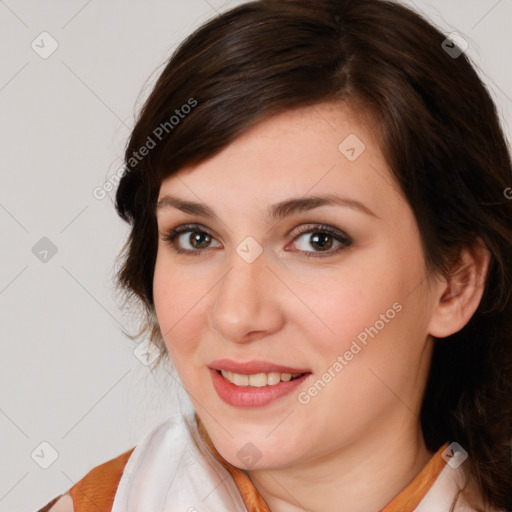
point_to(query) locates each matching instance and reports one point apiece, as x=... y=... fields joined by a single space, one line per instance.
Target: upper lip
x=252 y=367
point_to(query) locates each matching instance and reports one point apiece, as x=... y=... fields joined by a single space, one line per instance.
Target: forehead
x=321 y=149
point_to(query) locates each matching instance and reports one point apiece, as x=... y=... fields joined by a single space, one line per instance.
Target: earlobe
x=459 y=294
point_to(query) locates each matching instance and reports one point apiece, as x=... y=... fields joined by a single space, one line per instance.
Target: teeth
x=272 y=378
x=240 y=380
x=258 y=380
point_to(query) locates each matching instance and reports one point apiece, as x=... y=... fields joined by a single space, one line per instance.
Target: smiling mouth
x=258 y=380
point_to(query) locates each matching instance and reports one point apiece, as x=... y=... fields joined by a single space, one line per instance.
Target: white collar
x=171 y=469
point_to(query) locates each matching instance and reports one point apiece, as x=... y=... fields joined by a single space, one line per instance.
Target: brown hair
x=440 y=134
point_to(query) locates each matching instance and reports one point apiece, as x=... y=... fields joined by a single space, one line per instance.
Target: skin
x=361 y=432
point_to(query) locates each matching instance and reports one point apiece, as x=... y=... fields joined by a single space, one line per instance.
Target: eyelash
x=341 y=237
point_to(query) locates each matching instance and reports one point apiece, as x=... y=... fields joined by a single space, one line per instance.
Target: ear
x=458 y=295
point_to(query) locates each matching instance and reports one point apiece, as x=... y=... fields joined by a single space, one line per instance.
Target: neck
x=358 y=478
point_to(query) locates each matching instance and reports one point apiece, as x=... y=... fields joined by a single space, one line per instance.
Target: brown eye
x=197 y=241
x=322 y=238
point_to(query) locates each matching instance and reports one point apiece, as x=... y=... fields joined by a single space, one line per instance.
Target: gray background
x=69 y=377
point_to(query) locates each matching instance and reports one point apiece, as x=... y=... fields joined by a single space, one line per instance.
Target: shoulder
x=453 y=490
x=99 y=485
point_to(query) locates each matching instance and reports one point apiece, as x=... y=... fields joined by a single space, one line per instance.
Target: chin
x=257 y=453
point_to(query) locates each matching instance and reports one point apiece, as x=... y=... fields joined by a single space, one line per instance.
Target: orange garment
x=97 y=489
x=410 y=497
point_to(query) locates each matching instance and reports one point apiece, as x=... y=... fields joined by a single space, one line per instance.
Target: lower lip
x=248 y=396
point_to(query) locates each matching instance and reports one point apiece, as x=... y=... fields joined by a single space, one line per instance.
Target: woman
x=321 y=239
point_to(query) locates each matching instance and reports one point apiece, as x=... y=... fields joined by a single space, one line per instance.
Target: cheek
x=177 y=297
x=380 y=323
x=347 y=305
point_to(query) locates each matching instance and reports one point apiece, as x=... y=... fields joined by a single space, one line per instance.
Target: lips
x=253 y=367
x=254 y=383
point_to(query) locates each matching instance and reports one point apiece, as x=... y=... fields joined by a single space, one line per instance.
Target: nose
x=246 y=305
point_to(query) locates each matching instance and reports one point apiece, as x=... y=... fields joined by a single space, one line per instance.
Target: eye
x=322 y=237
x=198 y=239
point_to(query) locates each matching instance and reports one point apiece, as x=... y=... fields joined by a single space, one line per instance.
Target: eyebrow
x=275 y=212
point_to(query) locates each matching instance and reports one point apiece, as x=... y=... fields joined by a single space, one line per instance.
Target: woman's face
x=266 y=294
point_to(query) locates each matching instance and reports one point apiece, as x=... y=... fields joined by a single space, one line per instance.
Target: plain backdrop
x=73 y=392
